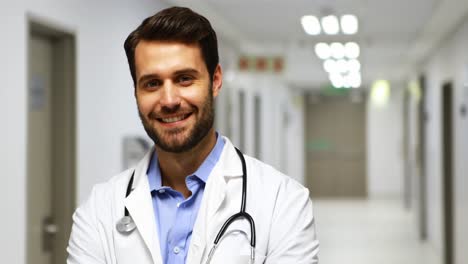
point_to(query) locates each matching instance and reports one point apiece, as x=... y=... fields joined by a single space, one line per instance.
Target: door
x=51 y=144
x=336 y=147
x=447 y=141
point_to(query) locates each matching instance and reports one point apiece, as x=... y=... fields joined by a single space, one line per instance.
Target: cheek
x=146 y=103
x=196 y=97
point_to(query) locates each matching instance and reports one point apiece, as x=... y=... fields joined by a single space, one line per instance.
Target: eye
x=151 y=84
x=185 y=80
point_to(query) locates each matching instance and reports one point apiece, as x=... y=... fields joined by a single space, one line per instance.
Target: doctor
x=179 y=196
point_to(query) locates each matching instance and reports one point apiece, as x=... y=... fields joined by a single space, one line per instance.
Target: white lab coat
x=280 y=207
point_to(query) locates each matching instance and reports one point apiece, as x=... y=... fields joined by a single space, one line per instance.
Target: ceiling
x=395 y=36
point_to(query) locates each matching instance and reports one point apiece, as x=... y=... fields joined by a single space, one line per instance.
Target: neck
x=175 y=167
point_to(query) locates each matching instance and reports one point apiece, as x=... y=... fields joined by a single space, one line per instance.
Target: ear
x=217 y=80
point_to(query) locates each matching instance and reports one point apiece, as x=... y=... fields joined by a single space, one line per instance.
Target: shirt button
x=162 y=191
x=178 y=204
x=176 y=250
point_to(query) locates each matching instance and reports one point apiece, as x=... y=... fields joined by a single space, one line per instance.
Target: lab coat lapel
x=140 y=206
x=212 y=199
x=228 y=166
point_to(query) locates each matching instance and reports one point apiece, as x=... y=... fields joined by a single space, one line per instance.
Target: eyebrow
x=179 y=72
x=187 y=71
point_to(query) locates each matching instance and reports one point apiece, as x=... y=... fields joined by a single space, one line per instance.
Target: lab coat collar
x=229 y=163
x=140 y=207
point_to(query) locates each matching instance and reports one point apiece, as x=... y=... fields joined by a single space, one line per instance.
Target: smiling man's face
x=175 y=94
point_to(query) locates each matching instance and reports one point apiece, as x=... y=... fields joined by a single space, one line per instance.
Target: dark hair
x=177 y=24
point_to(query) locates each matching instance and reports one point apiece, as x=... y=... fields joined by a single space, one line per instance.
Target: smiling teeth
x=173 y=119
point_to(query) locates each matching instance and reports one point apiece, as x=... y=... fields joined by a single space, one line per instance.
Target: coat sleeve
x=292 y=235
x=84 y=246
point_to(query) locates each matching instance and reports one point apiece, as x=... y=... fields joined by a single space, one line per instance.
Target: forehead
x=164 y=57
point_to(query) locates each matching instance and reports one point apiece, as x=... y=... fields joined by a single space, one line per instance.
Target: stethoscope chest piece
x=125 y=225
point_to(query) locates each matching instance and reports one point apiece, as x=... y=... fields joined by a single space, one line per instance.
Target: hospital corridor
x=369 y=231
x=362 y=102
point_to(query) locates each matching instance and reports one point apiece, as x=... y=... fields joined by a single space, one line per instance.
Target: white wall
x=13 y=132
x=413 y=155
x=295 y=138
x=106 y=109
x=384 y=146
x=448 y=63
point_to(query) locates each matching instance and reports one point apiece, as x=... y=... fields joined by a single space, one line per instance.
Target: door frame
x=421 y=159
x=447 y=114
x=63 y=103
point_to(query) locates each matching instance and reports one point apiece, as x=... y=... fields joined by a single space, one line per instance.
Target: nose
x=170 y=97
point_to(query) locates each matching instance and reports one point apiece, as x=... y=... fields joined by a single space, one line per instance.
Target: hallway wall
x=384 y=145
x=448 y=63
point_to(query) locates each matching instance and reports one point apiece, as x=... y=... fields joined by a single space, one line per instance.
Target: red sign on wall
x=261 y=64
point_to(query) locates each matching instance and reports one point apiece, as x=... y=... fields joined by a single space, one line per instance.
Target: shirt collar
x=154 y=173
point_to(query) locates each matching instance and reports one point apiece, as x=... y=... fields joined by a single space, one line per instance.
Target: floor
x=369 y=232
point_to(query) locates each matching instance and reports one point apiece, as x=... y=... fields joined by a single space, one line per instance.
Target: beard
x=172 y=141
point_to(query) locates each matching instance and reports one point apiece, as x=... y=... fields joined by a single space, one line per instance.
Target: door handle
x=49 y=231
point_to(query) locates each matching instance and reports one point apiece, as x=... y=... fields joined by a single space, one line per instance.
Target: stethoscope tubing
x=242 y=213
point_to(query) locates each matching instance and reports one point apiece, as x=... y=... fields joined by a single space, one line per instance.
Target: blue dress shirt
x=175 y=216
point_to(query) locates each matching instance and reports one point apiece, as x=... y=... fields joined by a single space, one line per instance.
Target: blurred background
x=362 y=101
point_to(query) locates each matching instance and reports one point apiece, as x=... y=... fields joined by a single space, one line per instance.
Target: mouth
x=173 y=119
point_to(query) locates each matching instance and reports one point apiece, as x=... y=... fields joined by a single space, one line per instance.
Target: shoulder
x=104 y=197
x=115 y=188
x=266 y=175
x=105 y=190
x=259 y=173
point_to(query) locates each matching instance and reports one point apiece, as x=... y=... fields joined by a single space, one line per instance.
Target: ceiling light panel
x=311 y=25
x=354 y=79
x=337 y=80
x=354 y=66
x=349 y=24
x=337 y=50
x=352 y=50
x=329 y=65
x=330 y=25
x=322 y=50
x=342 y=66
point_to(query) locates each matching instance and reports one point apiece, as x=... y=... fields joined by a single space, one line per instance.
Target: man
x=179 y=196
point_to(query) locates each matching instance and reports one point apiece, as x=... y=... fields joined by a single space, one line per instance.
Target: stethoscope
x=126 y=224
